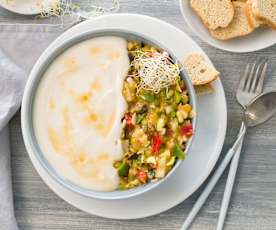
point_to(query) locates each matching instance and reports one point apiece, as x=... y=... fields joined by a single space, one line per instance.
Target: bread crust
x=266 y=21
x=253 y=22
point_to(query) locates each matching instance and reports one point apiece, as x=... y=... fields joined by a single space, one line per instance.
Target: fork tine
x=250 y=78
x=255 y=78
x=243 y=78
x=260 y=84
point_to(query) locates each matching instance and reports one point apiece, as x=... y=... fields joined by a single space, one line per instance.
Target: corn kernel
x=187 y=108
x=179 y=117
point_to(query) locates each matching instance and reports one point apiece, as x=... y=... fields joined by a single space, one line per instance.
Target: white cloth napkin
x=20 y=46
x=12 y=81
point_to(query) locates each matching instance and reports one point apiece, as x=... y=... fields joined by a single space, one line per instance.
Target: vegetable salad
x=156 y=126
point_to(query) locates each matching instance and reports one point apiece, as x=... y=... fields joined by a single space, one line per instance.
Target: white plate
x=259 y=39
x=25 y=7
x=208 y=140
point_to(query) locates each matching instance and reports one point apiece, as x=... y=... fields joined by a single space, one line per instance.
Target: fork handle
x=229 y=186
x=212 y=182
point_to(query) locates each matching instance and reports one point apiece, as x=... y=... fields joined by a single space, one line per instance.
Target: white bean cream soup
x=78 y=110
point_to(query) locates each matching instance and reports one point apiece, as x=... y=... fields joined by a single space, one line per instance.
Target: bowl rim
x=38 y=70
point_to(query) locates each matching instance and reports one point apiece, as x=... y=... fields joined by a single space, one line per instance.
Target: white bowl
x=261 y=38
x=27 y=114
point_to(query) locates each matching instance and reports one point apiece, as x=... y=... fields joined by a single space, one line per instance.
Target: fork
x=251 y=85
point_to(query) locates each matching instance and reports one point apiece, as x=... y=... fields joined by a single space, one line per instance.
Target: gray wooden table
x=253 y=206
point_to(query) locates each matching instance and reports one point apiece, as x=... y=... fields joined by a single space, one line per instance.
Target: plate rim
x=13 y=10
x=219 y=148
x=213 y=43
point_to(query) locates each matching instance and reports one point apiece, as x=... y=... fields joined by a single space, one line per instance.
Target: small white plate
x=26 y=7
x=208 y=140
x=261 y=38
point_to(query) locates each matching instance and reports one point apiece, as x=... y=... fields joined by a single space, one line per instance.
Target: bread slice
x=198 y=70
x=265 y=11
x=240 y=26
x=214 y=13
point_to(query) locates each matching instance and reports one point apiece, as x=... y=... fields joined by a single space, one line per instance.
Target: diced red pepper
x=187 y=130
x=128 y=119
x=142 y=176
x=156 y=143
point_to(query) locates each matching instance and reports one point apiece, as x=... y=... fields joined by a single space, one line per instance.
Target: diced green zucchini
x=148 y=97
x=172 y=113
x=185 y=99
x=139 y=118
x=177 y=97
x=123 y=169
x=160 y=124
x=178 y=152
